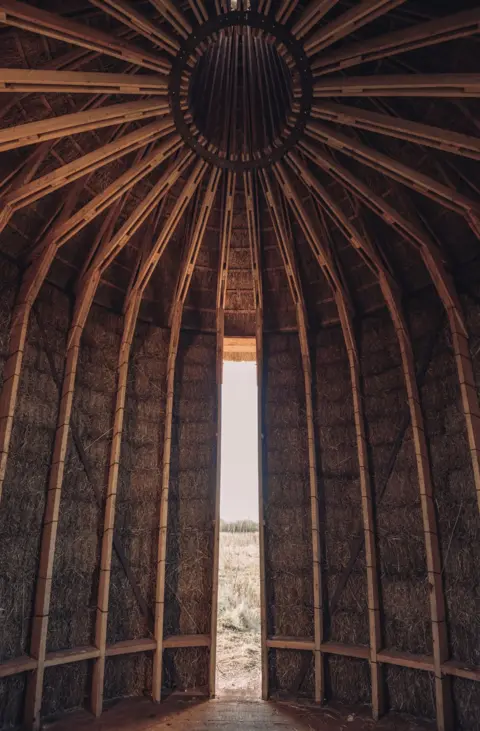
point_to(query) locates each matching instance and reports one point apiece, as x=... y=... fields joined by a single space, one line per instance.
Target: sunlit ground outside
x=238 y=642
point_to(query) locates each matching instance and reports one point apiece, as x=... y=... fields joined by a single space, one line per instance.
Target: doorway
x=238 y=620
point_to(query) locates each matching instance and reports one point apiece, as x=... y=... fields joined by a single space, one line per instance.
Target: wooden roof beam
x=126 y=14
x=115 y=190
x=313 y=14
x=422 y=134
x=175 y=17
x=440 y=30
x=308 y=227
x=353 y=19
x=199 y=10
x=80 y=82
x=42 y=22
x=84 y=165
x=253 y=225
x=32 y=133
x=450 y=86
x=285 y=10
x=410 y=232
x=392 y=168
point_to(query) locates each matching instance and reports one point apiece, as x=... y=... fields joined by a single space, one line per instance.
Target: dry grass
x=238 y=653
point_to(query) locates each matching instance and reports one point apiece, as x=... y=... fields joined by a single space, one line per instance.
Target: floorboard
x=229 y=715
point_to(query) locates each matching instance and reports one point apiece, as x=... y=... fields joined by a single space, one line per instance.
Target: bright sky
x=239 y=483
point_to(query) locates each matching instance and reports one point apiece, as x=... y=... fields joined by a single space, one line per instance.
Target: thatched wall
x=189 y=574
x=455 y=498
x=340 y=514
x=24 y=492
x=288 y=550
x=401 y=547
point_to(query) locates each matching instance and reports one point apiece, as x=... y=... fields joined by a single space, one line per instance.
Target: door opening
x=238 y=621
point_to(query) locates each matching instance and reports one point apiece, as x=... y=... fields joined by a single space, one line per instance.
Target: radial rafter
x=409 y=85
x=392 y=168
x=423 y=134
x=27 y=17
x=313 y=14
x=79 y=82
x=88 y=163
x=175 y=17
x=434 y=32
x=349 y=21
x=68 y=124
x=126 y=14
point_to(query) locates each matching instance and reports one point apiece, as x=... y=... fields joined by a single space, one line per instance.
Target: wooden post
x=284 y=239
x=30 y=287
x=131 y=315
x=253 y=222
x=437 y=602
x=341 y=299
x=182 y=290
x=228 y=204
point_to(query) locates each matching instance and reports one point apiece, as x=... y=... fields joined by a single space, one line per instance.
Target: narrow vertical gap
x=238 y=628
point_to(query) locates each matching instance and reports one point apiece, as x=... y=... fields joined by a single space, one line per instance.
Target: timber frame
x=273 y=145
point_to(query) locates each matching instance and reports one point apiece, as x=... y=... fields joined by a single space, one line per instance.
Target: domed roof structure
x=301 y=173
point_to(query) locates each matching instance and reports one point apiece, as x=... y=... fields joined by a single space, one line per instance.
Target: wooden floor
x=228 y=715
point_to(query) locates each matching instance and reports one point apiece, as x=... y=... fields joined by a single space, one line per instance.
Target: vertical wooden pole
x=216 y=518
x=284 y=238
x=443 y=695
x=469 y=395
x=373 y=594
x=30 y=287
x=182 y=291
x=162 y=539
x=253 y=222
x=131 y=315
x=38 y=643
x=228 y=205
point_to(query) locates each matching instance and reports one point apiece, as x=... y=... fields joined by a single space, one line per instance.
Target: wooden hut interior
x=300 y=175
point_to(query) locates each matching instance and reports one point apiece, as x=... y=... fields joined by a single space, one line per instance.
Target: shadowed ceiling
x=162 y=145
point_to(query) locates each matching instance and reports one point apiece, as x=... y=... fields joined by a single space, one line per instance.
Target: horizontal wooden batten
x=176 y=641
x=63 y=657
x=461 y=670
x=456 y=668
x=346 y=650
x=79 y=82
x=291 y=643
x=130 y=647
x=406 y=660
x=17 y=665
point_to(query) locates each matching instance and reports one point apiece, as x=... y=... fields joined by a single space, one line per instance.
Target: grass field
x=238 y=648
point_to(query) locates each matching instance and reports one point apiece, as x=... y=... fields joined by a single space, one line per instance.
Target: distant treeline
x=239 y=526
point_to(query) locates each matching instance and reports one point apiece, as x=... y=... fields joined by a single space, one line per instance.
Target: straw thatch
x=191 y=502
x=287 y=523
